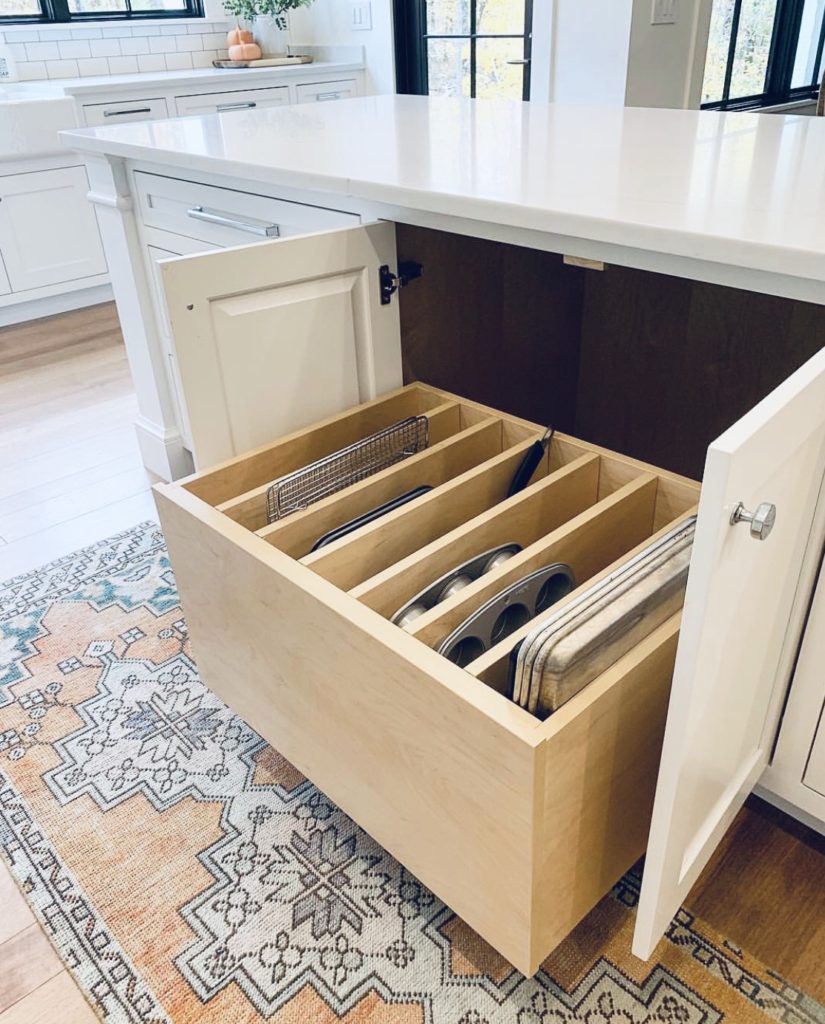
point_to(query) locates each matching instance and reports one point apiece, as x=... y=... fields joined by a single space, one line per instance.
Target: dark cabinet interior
x=646 y=364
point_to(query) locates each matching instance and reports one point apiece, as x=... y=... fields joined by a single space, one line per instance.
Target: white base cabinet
x=48 y=230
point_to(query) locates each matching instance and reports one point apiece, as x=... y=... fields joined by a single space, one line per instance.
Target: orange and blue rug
x=187 y=873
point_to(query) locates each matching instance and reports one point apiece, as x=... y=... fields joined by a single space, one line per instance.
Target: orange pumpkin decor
x=244 y=51
x=239 y=35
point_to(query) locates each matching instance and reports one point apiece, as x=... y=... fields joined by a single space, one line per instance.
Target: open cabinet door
x=272 y=336
x=742 y=618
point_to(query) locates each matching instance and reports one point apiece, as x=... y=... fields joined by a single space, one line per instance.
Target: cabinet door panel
x=48 y=228
x=743 y=614
x=5 y=287
x=270 y=337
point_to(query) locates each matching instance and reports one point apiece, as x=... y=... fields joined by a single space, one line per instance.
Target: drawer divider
x=553 y=500
x=262 y=465
x=249 y=508
x=296 y=534
x=366 y=551
x=588 y=542
x=492 y=666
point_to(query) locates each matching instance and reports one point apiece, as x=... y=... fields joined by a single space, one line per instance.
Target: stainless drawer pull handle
x=327 y=96
x=123 y=113
x=761 y=520
x=522 y=60
x=264 y=230
x=236 y=106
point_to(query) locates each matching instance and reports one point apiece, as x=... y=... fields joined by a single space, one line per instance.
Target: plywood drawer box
x=519 y=825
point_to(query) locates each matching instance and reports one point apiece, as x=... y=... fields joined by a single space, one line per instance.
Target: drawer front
x=238 y=99
x=319 y=92
x=520 y=826
x=153 y=109
x=224 y=217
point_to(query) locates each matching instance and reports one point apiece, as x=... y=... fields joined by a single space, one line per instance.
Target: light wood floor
x=70 y=471
x=70 y=474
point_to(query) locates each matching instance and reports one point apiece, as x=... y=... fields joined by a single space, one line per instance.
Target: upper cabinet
x=48 y=229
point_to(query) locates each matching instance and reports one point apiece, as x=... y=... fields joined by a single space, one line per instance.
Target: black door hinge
x=408 y=270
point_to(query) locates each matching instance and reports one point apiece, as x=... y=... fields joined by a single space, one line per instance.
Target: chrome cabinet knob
x=761 y=521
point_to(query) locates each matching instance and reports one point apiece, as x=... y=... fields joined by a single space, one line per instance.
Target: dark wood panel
x=497 y=323
x=667 y=364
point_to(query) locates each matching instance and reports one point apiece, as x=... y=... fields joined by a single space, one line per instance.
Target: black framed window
x=49 y=11
x=763 y=52
x=477 y=48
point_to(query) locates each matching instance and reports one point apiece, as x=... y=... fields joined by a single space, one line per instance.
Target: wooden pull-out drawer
x=519 y=825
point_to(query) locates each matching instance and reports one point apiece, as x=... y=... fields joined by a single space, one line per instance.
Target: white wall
x=666 y=62
x=327 y=22
x=589 y=42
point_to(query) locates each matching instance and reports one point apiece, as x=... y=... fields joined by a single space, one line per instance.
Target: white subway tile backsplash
x=42 y=51
x=77 y=48
x=122 y=65
x=151 y=62
x=58 y=52
x=178 y=61
x=62 y=69
x=186 y=44
x=93 y=66
x=31 y=71
x=13 y=36
x=163 y=44
x=105 y=47
x=130 y=47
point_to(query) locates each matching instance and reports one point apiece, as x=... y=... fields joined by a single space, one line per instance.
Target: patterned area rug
x=186 y=872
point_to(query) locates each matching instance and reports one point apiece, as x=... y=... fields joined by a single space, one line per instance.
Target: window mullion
x=734 y=33
x=473 y=30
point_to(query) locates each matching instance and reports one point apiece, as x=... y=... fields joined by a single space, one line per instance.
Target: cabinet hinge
x=408 y=270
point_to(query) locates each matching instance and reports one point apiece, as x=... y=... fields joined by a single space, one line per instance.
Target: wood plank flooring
x=70 y=470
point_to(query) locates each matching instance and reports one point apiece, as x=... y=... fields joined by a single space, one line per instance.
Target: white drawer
x=317 y=92
x=235 y=99
x=223 y=216
x=153 y=109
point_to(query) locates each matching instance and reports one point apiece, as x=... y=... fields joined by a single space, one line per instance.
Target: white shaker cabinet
x=48 y=231
x=232 y=99
x=5 y=287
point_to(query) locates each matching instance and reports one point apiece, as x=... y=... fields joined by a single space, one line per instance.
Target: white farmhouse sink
x=31 y=115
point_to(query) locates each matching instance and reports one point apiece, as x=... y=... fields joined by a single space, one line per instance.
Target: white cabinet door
x=48 y=228
x=273 y=336
x=743 y=614
x=5 y=287
x=237 y=99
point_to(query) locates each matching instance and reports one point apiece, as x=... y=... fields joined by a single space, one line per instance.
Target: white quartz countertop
x=745 y=190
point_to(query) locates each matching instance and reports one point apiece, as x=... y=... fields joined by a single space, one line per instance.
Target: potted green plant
x=269 y=20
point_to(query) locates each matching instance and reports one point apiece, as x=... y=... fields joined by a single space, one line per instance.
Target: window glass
x=805 y=71
x=753 y=46
x=448 y=67
x=500 y=17
x=19 y=8
x=716 y=62
x=448 y=17
x=495 y=78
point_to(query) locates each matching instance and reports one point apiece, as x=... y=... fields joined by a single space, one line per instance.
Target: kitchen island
x=641 y=279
